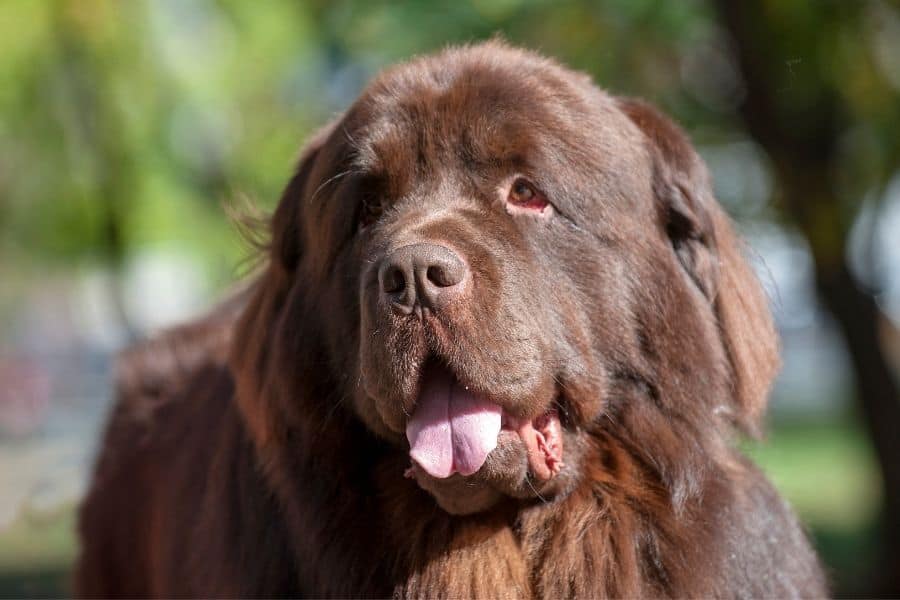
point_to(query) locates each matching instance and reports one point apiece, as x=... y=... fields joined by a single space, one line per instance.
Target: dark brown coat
x=260 y=452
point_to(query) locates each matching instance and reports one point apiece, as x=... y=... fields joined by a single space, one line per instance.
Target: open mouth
x=454 y=429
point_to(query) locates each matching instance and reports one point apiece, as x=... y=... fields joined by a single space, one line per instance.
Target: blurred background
x=125 y=127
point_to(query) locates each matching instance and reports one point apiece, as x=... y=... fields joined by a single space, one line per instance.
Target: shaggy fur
x=260 y=452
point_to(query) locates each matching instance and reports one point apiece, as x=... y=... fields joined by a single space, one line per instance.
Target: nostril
x=439 y=276
x=393 y=280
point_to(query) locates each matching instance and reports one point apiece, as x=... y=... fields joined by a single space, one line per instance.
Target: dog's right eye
x=370 y=209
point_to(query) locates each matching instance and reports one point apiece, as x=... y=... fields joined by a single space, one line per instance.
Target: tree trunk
x=858 y=317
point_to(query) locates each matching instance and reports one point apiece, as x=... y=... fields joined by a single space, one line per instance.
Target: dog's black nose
x=425 y=274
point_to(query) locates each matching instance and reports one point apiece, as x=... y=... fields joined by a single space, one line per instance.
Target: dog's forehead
x=478 y=117
x=461 y=106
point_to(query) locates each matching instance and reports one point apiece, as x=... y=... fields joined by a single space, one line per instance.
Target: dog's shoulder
x=156 y=371
x=157 y=382
x=769 y=554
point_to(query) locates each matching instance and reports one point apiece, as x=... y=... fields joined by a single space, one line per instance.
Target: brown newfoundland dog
x=502 y=346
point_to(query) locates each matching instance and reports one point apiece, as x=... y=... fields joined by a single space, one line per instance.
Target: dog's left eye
x=523 y=194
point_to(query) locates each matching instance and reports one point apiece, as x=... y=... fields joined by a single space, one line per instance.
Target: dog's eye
x=523 y=194
x=370 y=209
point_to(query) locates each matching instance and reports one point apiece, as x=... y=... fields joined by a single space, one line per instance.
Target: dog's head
x=490 y=255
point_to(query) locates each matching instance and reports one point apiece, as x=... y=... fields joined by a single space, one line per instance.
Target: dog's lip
x=543 y=439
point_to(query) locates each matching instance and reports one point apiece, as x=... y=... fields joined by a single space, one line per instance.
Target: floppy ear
x=286 y=244
x=252 y=345
x=711 y=254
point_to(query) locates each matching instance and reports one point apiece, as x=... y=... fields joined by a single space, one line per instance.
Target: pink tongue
x=452 y=429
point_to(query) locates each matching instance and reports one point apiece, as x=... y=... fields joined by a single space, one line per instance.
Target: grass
x=825 y=470
x=36 y=553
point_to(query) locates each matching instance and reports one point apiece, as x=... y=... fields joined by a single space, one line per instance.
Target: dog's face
x=499 y=256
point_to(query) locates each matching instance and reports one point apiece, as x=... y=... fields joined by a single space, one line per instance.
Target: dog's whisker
x=536 y=493
x=328 y=181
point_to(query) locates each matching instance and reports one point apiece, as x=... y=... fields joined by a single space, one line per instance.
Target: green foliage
x=118 y=114
x=129 y=124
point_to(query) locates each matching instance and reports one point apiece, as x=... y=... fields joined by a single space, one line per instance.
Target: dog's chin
x=504 y=474
x=456 y=494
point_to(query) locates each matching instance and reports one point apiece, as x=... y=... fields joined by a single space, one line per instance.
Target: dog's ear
x=286 y=242
x=711 y=254
x=252 y=346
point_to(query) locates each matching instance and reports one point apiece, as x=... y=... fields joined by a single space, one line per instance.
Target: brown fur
x=261 y=452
